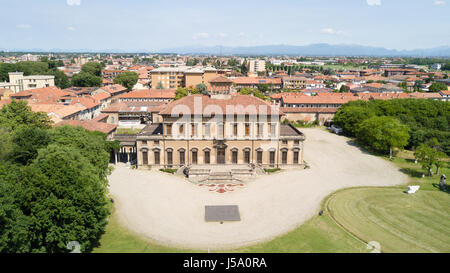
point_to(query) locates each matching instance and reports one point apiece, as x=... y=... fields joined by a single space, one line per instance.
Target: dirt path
x=170 y=210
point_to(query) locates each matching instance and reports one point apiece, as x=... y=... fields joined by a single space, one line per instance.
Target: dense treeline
x=425 y=119
x=52 y=183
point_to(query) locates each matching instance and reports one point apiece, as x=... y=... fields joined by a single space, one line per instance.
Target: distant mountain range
x=311 y=50
x=307 y=50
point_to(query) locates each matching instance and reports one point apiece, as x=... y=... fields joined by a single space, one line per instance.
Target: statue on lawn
x=443 y=182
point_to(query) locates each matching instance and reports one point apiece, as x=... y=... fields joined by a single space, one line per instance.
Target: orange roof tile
x=149 y=94
x=90 y=125
x=204 y=105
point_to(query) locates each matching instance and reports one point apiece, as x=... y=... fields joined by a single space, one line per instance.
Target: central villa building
x=219 y=129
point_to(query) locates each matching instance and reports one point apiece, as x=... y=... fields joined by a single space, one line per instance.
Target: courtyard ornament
x=443 y=182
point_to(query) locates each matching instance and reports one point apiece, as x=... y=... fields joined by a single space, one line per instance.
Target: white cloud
x=439 y=2
x=200 y=35
x=73 y=2
x=241 y=34
x=71 y=28
x=332 y=31
x=373 y=2
x=23 y=26
x=222 y=35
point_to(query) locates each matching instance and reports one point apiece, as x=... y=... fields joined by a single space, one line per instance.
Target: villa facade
x=233 y=130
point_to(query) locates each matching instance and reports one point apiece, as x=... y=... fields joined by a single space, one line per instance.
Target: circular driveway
x=170 y=210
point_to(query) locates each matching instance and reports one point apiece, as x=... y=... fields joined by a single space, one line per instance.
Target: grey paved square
x=222 y=213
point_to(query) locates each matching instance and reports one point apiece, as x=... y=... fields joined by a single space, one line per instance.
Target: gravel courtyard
x=170 y=210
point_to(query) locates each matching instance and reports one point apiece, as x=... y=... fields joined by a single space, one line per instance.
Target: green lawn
x=319 y=234
x=399 y=222
x=118 y=239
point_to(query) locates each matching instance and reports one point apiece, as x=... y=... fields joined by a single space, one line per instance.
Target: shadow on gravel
x=354 y=144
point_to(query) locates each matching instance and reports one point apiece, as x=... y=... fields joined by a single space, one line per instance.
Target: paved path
x=170 y=210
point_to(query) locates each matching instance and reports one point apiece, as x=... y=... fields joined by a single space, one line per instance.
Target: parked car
x=336 y=129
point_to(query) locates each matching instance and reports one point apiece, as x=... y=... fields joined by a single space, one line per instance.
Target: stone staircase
x=221 y=177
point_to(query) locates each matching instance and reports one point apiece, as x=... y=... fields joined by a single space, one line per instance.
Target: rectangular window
x=194 y=157
x=260 y=129
x=284 y=157
x=207 y=157
x=234 y=155
x=193 y=130
x=182 y=158
x=207 y=129
x=181 y=129
x=284 y=142
x=157 y=159
x=156 y=142
x=145 y=158
x=247 y=157
x=295 y=157
x=296 y=142
x=273 y=129
x=144 y=142
x=220 y=131
x=259 y=157
x=235 y=129
x=170 y=158
x=272 y=158
x=168 y=129
x=247 y=129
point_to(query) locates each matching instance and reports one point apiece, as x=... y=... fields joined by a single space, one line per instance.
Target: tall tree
x=127 y=79
x=383 y=134
x=18 y=113
x=427 y=157
x=92 y=68
x=437 y=86
x=84 y=79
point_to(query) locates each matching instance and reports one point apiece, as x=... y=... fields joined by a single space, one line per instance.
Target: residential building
x=133 y=113
x=255 y=66
x=18 y=82
x=182 y=76
x=294 y=82
x=254 y=82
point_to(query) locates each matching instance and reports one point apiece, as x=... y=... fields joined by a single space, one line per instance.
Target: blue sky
x=155 y=25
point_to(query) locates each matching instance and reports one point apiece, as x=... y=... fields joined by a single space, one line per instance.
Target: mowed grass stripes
x=399 y=222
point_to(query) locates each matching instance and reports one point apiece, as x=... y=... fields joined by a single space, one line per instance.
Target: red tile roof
x=87 y=101
x=113 y=89
x=101 y=96
x=287 y=110
x=90 y=125
x=149 y=94
x=320 y=99
x=204 y=105
x=221 y=79
x=43 y=95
